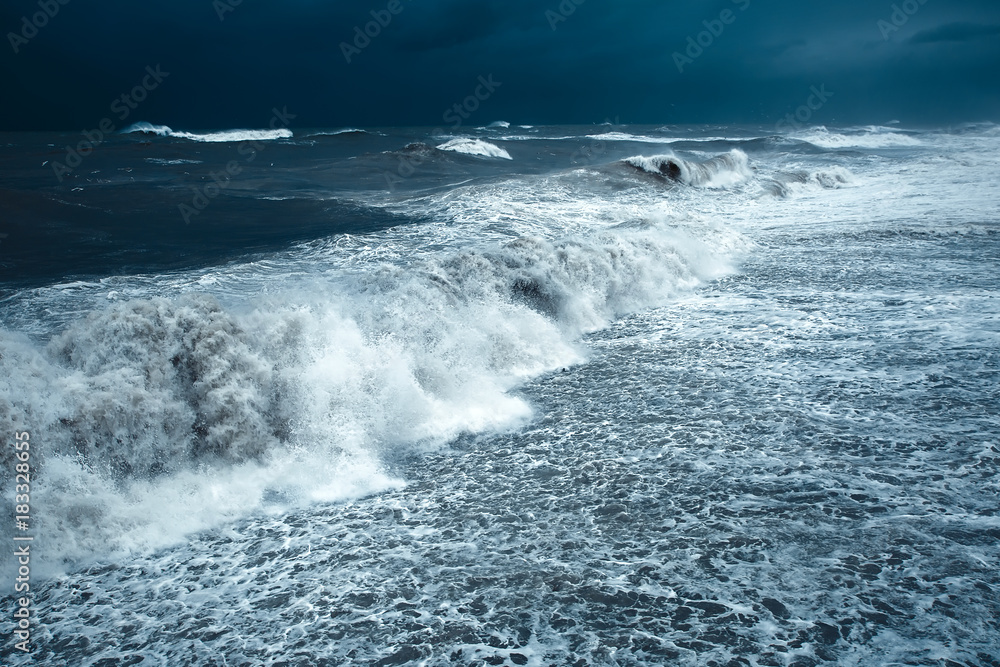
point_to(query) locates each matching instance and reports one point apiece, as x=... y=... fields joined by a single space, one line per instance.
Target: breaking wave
x=832 y=178
x=721 y=171
x=867 y=138
x=209 y=137
x=474 y=147
x=305 y=395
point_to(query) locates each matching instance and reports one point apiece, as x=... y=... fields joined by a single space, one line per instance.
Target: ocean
x=507 y=395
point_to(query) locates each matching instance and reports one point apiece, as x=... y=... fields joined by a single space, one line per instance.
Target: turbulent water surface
x=509 y=396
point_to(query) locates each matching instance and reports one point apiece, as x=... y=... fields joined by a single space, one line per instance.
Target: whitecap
x=475 y=147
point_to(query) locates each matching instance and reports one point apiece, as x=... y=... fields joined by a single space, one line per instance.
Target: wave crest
x=867 y=138
x=153 y=386
x=336 y=133
x=831 y=178
x=721 y=171
x=474 y=147
x=209 y=137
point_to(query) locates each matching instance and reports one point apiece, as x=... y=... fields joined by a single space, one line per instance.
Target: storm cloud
x=407 y=62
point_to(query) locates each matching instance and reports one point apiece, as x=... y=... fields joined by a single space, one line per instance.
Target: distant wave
x=982 y=128
x=722 y=171
x=414 y=149
x=502 y=124
x=867 y=138
x=148 y=128
x=539 y=137
x=646 y=139
x=475 y=147
x=163 y=161
x=831 y=178
x=624 y=136
x=210 y=137
x=334 y=133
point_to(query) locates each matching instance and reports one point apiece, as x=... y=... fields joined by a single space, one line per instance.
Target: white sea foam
x=474 y=147
x=830 y=178
x=538 y=137
x=164 y=161
x=873 y=137
x=624 y=136
x=186 y=412
x=210 y=137
x=647 y=139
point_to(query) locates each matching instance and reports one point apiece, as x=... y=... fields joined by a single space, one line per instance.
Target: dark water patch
x=123 y=229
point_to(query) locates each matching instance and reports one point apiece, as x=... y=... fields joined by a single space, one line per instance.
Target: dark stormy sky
x=607 y=60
